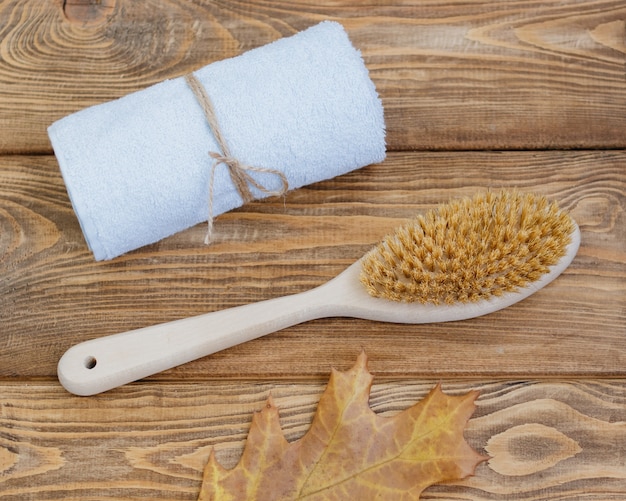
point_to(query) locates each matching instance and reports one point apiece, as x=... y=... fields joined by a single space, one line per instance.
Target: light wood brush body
x=465 y=259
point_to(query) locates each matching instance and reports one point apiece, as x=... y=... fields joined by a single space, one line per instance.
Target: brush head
x=469 y=249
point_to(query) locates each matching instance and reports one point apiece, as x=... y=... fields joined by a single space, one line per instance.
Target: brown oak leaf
x=350 y=452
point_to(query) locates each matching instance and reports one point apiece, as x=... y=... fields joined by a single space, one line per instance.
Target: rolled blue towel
x=138 y=169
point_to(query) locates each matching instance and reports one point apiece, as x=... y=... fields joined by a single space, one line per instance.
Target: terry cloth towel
x=138 y=169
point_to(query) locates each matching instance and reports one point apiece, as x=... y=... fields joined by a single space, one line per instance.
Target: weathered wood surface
x=548 y=440
x=54 y=294
x=541 y=78
x=476 y=74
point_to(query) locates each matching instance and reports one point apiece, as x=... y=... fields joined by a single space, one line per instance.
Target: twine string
x=239 y=172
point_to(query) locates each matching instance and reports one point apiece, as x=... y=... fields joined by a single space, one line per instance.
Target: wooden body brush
x=465 y=259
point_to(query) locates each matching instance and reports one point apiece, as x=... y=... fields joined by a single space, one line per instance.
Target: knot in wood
x=88 y=12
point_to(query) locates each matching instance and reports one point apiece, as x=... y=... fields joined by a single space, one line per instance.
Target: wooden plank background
x=477 y=95
x=58 y=295
x=470 y=75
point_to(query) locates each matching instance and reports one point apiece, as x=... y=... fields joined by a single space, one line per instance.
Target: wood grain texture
x=458 y=80
x=475 y=75
x=549 y=441
x=53 y=294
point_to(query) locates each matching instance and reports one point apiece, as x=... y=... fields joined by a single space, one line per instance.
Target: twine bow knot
x=239 y=172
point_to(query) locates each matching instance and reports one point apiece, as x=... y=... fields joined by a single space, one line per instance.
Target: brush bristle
x=469 y=249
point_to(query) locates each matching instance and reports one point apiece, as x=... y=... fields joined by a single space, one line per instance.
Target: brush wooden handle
x=104 y=363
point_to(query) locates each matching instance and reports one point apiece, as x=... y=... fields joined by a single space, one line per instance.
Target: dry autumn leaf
x=349 y=452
